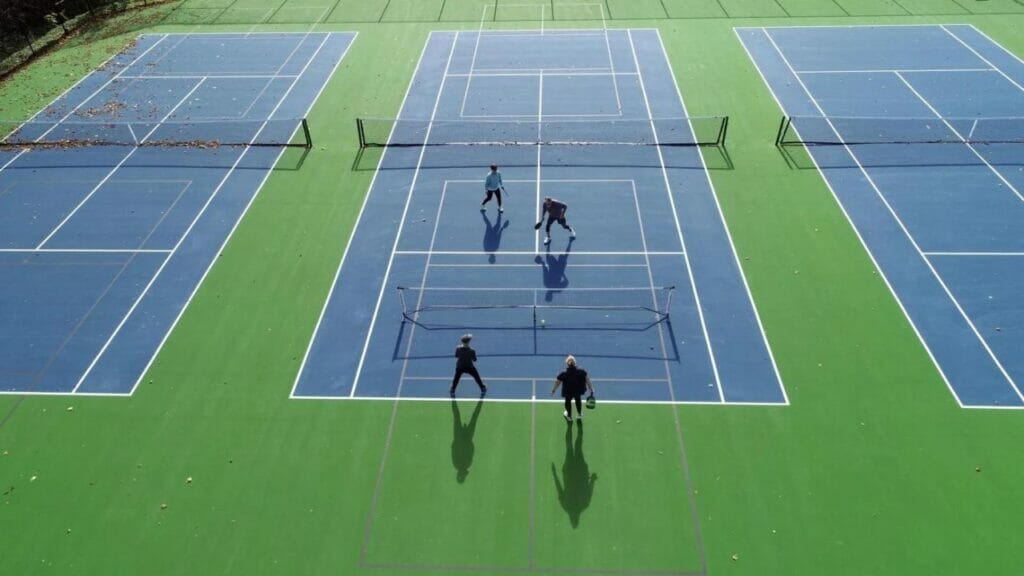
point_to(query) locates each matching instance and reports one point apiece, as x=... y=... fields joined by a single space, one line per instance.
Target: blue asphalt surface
x=101 y=247
x=943 y=215
x=421 y=226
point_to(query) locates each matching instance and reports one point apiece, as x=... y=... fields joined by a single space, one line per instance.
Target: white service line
x=983 y=59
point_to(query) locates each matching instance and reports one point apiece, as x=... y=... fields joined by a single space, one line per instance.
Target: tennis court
x=649 y=296
x=116 y=199
x=928 y=170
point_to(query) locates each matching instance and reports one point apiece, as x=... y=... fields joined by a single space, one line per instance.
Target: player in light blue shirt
x=494 y=187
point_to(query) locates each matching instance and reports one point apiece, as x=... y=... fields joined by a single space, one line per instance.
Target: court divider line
x=675 y=215
x=725 y=225
x=906 y=232
x=259 y=187
x=472 y=62
x=895 y=70
x=188 y=231
x=540 y=120
x=970 y=146
x=355 y=226
x=401 y=225
x=611 y=62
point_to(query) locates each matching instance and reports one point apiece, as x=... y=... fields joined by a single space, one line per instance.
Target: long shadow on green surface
x=462 y=440
x=576 y=487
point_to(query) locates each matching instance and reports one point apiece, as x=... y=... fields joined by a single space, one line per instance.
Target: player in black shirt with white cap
x=555 y=211
x=464 y=364
x=574 y=382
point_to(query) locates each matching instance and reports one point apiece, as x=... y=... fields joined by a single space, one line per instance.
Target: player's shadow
x=462 y=440
x=553 y=270
x=492 y=234
x=576 y=487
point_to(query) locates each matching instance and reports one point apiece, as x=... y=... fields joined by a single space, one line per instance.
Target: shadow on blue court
x=649 y=295
x=101 y=246
x=930 y=175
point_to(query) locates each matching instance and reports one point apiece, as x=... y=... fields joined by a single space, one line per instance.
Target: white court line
x=182 y=239
x=472 y=62
x=675 y=215
x=83 y=251
x=537 y=71
x=611 y=61
x=294 y=50
x=725 y=226
x=102 y=87
x=960 y=136
x=583 y=72
x=245 y=211
x=856 y=231
x=903 y=227
x=983 y=59
x=534 y=265
x=526 y=253
x=973 y=253
x=540 y=119
x=405 y=212
x=802 y=27
x=355 y=227
x=54 y=101
x=994 y=43
x=895 y=70
x=525 y=116
x=113 y=171
x=654 y=296
x=491 y=400
x=562 y=180
x=448 y=377
x=209 y=77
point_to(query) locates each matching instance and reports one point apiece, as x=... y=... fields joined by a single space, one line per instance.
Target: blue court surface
x=646 y=216
x=943 y=222
x=102 y=247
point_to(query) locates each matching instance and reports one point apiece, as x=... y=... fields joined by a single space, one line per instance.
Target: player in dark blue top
x=464 y=359
x=555 y=211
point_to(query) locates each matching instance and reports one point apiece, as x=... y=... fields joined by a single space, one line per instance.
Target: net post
x=668 y=305
x=722 y=131
x=362 y=133
x=401 y=296
x=305 y=131
x=783 y=128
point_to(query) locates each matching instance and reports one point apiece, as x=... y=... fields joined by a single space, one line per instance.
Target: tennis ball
x=543 y=321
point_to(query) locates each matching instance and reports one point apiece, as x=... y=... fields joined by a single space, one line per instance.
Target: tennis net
x=695 y=131
x=823 y=131
x=417 y=301
x=278 y=132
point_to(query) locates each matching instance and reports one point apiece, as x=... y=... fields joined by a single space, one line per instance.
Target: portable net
x=278 y=132
x=823 y=131
x=695 y=131
x=419 y=301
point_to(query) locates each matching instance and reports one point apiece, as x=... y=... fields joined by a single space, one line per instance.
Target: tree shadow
x=492 y=234
x=577 y=485
x=462 y=440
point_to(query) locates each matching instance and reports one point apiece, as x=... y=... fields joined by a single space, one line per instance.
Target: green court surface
x=210 y=468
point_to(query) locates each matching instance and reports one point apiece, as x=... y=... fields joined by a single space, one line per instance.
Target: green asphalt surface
x=209 y=468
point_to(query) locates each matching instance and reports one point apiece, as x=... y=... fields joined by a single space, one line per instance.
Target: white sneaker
x=547 y=240
x=568 y=418
x=580 y=415
x=500 y=210
x=572 y=233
